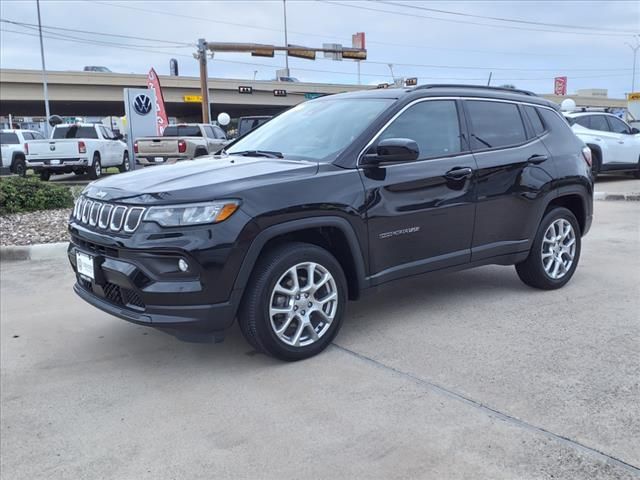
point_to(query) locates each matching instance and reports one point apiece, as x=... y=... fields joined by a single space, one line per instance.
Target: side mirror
x=634 y=131
x=393 y=150
x=118 y=136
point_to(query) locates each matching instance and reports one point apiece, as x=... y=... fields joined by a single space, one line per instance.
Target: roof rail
x=481 y=87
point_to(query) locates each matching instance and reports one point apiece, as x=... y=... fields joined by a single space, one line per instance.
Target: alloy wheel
x=558 y=248
x=303 y=303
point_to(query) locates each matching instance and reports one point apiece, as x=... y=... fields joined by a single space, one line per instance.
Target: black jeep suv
x=334 y=196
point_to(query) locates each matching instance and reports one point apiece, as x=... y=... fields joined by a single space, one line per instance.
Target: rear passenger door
x=420 y=214
x=514 y=175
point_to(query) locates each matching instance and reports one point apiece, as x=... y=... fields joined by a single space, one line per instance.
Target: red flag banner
x=153 y=82
x=560 y=86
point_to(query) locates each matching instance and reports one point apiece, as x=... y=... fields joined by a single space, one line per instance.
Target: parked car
x=98 y=69
x=12 y=150
x=615 y=145
x=180 y=142
x=332 y=197
x=78 y=148
x=246 y=124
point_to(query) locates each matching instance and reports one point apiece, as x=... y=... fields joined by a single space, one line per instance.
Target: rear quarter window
x=534 y=118
x=495 y=124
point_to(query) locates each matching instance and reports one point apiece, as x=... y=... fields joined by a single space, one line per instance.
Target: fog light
x=183 y=265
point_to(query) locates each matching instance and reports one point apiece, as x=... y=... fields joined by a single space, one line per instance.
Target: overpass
x=100 y=94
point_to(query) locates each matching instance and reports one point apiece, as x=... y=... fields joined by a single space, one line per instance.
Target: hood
x=198 y=180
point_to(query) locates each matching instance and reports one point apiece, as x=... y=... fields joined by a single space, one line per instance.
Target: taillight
x=587 y=155
x=182 y=146
x=135 y=147
x=26 y=149
x=82 y=147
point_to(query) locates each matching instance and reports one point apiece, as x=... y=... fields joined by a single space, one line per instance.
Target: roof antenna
x=489 y=81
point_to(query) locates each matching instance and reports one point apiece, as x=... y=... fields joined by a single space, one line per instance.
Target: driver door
x=420 y=214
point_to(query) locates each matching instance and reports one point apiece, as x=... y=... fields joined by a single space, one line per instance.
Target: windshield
x=182 y=131
x=317 y=130
x=75 y=132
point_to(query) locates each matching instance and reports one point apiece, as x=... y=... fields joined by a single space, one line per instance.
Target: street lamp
x=44 y=74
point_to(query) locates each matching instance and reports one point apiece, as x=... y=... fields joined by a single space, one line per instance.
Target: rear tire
x=200 y=152
x=555 y=251
x=95 y=170
x=125 y=166
x=285 y=315
x=596 y=164
x=45 y=175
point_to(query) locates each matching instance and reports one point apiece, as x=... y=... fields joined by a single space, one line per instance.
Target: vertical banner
x=358 y=41
x=153 y=82
x=560 y=86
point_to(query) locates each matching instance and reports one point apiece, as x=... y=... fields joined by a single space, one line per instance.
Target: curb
x=41 y=251
x=630 y=197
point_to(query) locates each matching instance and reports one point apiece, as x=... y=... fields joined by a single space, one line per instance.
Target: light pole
x=390 y=65
x=634 y=49
x=286 y=42
x=44 y=75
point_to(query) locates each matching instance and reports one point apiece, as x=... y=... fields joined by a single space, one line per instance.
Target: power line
x=23 y=24
x=414 y=15
x=503 y=19
x=309 y=34
x=253 y=64
x=371 y=62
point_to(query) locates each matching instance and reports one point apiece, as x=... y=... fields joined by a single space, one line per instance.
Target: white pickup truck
x=12 y=158
x=77 y=148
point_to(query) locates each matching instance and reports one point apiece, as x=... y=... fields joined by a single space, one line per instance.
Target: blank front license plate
x=84 y=264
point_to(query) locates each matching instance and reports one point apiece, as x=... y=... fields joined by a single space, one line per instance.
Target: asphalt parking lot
x=467 y=375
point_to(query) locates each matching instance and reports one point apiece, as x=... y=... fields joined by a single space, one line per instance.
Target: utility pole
x=44 y=75
x=358 y=62
x=286 y=42
x=204 y=87
x=634 y=49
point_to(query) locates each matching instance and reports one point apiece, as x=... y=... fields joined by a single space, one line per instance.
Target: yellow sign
x=192 y=98
x=634 y=96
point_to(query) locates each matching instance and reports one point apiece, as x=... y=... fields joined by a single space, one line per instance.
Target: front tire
x=555 y=252
x=294 y=302
x=125 y=166
x=20 y=167
x=95 y=170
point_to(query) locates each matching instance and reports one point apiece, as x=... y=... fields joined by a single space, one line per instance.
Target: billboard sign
x=153 y=83
x=560 y=86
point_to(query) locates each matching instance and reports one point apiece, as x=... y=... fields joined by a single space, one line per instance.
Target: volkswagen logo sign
x=142 y=104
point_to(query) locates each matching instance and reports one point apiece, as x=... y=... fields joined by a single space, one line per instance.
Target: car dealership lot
x=468 y=375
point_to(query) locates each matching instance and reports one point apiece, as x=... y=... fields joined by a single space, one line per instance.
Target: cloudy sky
x=525 y=43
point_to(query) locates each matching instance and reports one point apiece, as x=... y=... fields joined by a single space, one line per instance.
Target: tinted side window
x=618 y=126
x=495 y=124
x=37 y=136
x=583 y=121
x=208 y=130
x=27 y=135
x=534 y=118
x=598 y=122
x=9 y=138
x=433 y=125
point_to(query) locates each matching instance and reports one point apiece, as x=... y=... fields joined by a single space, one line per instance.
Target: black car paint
x=394 y=220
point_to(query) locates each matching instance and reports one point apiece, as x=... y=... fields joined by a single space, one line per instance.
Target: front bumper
x=129 y=290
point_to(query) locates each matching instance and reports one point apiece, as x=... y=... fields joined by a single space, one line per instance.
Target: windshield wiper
x=258 y=153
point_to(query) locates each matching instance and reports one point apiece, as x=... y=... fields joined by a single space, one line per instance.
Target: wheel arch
x=15 y=158
x=335 y=234
x=574 y=202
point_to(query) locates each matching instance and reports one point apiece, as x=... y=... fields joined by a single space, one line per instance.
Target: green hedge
x=19 y=195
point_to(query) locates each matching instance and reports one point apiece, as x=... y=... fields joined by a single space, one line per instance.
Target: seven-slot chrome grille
x=107 y=216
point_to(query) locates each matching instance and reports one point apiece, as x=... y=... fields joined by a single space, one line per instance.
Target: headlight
x=192 y=213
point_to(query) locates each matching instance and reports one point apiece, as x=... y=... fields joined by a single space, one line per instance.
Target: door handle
x=458 y=173
x=536 y=159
